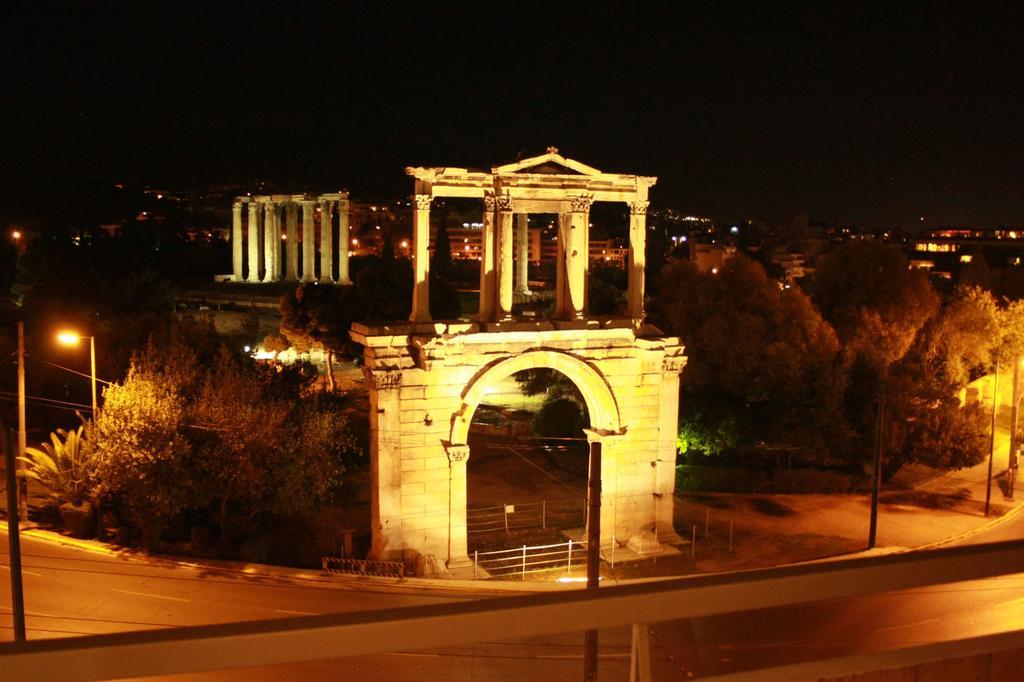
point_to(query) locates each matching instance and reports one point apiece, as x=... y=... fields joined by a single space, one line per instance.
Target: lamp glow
x=69 y=338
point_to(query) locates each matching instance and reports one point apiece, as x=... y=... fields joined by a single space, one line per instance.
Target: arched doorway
x=527 y=473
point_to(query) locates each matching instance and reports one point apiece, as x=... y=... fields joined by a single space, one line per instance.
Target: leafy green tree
x=762 y=365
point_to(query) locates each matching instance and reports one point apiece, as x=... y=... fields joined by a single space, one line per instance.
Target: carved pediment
x=551 y=163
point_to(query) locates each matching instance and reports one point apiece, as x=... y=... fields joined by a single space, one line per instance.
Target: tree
x=559 y=417
x=762 y=365
x=877 y=306
x=872 y=299
x=142 y=455
x=316 y=315
x=63 y=466
x=441 y=260
x=924 y=420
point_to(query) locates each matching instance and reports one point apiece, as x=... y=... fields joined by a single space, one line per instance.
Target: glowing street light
x=72 y=339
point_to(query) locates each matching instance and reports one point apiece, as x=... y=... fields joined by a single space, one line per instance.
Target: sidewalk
x=928 y=508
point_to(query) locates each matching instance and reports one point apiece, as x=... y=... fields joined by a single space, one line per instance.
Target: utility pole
x=876 y=476
x=1014 y=415
x=22 y=505
x=14 y=539
x=593 y=554
x=992 y=438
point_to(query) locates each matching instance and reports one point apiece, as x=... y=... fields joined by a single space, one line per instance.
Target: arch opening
x=527 y=472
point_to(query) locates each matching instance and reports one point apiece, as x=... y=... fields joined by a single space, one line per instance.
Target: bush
x=701 y=478
x=693 y=478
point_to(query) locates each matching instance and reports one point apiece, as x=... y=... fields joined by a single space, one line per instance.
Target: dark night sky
x=877 y=116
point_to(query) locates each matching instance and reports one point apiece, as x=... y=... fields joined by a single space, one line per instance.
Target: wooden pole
x=992 y=437
x=22 y=506
x=14 y=541
x=876 y=477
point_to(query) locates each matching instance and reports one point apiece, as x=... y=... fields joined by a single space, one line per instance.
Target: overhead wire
x=68 y=369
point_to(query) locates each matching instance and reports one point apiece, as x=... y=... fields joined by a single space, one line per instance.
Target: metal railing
x=385 y=569
x=506 y=518
x=522 y=561
x=283 y=641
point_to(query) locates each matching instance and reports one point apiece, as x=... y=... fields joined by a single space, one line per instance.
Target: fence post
x=613 y=549
x=730 y=535
x=693 y=541
x=707 y=522
x=568 y=570
x=476 y=557
x=504 y=511
x=544 y=514
x=524 y=562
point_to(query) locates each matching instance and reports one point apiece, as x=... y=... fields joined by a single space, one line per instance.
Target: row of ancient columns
x=256 y=250
x=497 y=262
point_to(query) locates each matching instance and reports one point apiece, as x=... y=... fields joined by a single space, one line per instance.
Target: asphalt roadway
x=71 y=592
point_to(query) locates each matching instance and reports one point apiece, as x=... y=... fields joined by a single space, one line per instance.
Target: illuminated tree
x=762 y=365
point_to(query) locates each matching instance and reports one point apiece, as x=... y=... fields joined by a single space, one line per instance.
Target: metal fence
x=525 y=560
x=384 y=569
x=505 y=518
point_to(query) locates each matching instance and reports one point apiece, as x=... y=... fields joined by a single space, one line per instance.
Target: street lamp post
x=70 y=338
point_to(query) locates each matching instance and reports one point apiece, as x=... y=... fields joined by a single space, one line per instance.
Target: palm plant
x=63 y=466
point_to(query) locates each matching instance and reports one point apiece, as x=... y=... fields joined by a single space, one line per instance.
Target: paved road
x=71 y=592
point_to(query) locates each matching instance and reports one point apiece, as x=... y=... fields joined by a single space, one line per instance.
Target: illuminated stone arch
x=601 y=404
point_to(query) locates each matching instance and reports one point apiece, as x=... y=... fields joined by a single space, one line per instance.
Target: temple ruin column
x=343 y=240
x=271 y=243
x=562 y=238
x=522 y=253
x=291 y=238
x=637 y=259
x=236 y=241
x=326 y=243
x=253 y=236
x=308 y=241
x=504 y=254
x=577 y=258
x=487 y=272
x=421 y=259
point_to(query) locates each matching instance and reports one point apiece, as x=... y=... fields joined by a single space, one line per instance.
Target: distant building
x=711 y=257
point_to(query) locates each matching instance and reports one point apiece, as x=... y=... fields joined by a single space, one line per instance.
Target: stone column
x=308 y=241
x=577 y=258
x=458 y=549
x=564 y=225
x=291 y=266
x=665 y=463
x=421 y=259
x=236 y=241
x=487 y=272
x=253 y=237
x=385 y=465
x=504 y=254
x=271 y=243
x=343 y=241
x=637 y=259
x=326 y=243
x=522 y=253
